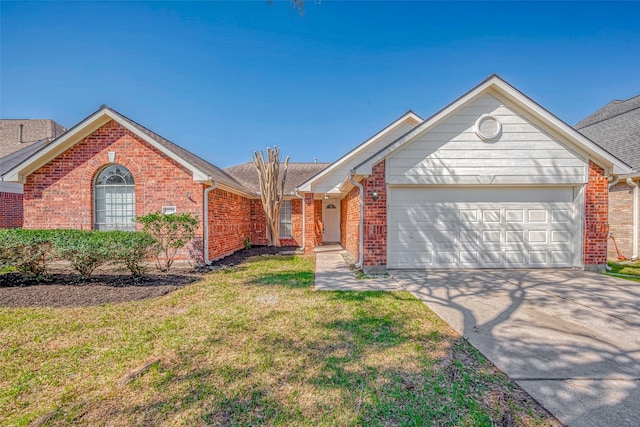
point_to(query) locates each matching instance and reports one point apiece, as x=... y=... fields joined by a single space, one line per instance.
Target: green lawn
x=253 y=345
x=625 y=270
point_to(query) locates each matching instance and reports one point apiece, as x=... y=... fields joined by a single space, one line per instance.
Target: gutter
x=612 y=181
x=636 y=214
x=361 y=234
x=207 y=261
x=295 y=192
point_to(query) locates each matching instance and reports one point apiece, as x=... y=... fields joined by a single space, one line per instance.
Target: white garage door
x=480 y=228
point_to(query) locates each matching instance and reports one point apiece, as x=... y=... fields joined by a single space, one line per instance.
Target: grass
x=626 y=270
x=253 y=345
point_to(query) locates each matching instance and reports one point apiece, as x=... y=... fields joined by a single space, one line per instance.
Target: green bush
x=85 y=250
x=131 y=249
x=28 y=251
x=171 y=232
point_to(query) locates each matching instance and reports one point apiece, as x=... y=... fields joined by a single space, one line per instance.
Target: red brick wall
x=350 y=222
x=229 y=222
x=596 y=226
x=310 y=221
x=375 y=219
x=10 y=210
x=258 y=223
x=60 y=194
x=621 y=219
x=296 y=225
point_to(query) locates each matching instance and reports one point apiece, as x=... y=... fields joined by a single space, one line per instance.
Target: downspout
x=207 y=261
x=635 y=217
x=361 y=234
x=612 y=181
x=295 y=192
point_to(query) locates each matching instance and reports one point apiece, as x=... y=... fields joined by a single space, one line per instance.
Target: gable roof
x=17 y=134
x=616 y=128
x=496 y=85
x=201 y=169
x=297 y=173
x=408 y=117
x=17 y=157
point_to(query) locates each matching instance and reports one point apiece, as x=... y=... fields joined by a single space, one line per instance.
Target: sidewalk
x=333 y=274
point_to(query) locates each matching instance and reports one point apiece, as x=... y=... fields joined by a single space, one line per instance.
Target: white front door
x=330 y=221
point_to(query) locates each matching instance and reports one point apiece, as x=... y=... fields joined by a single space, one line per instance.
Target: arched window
x=114 y=199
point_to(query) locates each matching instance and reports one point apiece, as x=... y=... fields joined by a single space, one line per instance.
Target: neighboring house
x=19 y=138
x=108 y=169
x=491 y=181
x=616 y=128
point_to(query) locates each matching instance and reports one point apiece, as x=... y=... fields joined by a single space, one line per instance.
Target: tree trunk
x=272 y=181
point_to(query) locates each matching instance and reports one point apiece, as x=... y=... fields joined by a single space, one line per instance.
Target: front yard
x=625 y=269
x=252 y=345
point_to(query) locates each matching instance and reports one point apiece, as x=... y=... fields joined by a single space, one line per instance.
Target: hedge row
x=30 y=251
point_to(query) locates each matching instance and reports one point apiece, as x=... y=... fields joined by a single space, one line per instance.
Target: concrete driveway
x=570 y=338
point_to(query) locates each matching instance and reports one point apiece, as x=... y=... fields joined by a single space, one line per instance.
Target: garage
x=482 y=227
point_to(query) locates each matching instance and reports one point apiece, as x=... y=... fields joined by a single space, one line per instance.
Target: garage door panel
x=429 y=228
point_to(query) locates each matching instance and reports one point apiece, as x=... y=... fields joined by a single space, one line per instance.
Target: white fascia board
x=233 y=190
x=11 y=187
x=197 y=174
x=595 y=151
x=20 y=172
x=410 y=116
x=518 y=98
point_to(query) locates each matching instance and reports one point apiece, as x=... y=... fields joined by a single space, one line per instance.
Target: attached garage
x=482 y=227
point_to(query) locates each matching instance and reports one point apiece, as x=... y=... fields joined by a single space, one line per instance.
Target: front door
x=331 y=221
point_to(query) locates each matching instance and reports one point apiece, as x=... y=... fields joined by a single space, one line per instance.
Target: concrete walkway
x=332 y=273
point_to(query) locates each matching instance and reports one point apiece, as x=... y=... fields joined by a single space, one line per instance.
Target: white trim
x=409 y=116
x=83 y=129
x=516 y=97
x=11 y=187
x=479 y=122
x=636 y=217
x=205 y=237
x=578 y=223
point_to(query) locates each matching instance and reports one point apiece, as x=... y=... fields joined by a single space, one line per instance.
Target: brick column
x=596 y=219
x=375 y=220
x=309 y=224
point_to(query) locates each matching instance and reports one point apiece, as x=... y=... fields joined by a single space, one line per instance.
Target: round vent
x=488 y=127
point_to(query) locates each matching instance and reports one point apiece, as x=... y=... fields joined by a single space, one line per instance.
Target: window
x=114 y=198
x=285 y=219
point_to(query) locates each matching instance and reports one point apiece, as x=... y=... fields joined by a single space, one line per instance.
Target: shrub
x=131 y=249
x=85 y=250
x=247 y=242
x=171 y=232
x=28 y=251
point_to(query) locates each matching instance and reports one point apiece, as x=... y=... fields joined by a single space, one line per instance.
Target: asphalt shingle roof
x=210 y=169
x=297 y=173
x=616 y=128
x=33 y=130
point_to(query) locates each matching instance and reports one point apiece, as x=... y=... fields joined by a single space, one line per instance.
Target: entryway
x=330 y=221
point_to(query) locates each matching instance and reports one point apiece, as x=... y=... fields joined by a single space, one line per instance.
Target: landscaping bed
x=65 y=288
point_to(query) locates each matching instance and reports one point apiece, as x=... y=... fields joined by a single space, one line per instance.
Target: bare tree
x=272 y=181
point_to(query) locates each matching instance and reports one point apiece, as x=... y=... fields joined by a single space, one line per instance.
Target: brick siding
x=229 y=222
x=375 y=219
x=313 y=223
x=60 y=194
x=621 y=219
x=596 y=226
x=259 y=224
x=10 y=210
x=350 y=222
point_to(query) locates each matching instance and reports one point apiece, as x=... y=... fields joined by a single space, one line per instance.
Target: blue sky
x=224 y=79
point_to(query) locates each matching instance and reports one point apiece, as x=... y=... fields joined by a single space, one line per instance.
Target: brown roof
x=212 y=170
x=297 y=173
x=33 y=130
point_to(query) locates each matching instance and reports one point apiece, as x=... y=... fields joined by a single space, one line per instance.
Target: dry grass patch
x=253 y=345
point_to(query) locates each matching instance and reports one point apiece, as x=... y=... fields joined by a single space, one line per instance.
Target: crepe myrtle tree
x=272 y=178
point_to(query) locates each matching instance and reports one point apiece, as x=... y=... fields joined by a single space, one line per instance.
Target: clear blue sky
x=224 y=79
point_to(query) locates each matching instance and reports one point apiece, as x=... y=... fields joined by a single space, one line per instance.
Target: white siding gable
x=452 y=153
x=333 y=180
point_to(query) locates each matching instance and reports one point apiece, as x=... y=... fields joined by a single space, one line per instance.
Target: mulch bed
x=64 y=288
